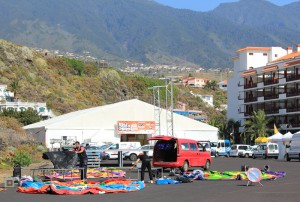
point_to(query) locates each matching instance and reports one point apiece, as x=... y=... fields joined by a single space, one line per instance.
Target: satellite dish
x=254 y=175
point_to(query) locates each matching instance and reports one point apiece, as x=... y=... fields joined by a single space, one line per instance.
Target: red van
x=171 y=152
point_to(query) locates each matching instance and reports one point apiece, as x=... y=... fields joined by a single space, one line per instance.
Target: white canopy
x=276 y=137
x=288 y=136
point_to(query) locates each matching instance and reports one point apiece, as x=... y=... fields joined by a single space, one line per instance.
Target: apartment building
x=195 y=82
x=266 y=78
x=7 y=101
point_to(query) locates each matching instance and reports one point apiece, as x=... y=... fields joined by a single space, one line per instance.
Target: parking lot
x=284 y=189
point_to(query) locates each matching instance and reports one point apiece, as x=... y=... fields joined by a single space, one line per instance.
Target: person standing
x=146 y=163
x=83 y=160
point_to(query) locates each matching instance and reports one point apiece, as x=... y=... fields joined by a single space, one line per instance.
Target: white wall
x=232 y=99
x=81 y=135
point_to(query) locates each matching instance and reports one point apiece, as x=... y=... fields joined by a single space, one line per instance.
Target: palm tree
x=211 y=85
x=229 y=130
x=14 y=87
x=257 y=126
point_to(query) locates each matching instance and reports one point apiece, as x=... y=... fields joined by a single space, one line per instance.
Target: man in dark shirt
x=83 y=160
x=146 y=163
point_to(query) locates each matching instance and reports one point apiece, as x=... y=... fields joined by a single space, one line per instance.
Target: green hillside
x=69 y=85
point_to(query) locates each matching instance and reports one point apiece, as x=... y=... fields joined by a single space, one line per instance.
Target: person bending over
x=146 y=163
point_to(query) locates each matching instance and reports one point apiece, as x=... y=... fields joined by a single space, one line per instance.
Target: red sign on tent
x=135 y=127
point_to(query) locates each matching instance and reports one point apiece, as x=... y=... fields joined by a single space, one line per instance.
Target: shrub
x=21 y=158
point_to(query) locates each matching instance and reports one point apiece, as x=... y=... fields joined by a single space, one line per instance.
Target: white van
x=237 y=148
x=265 y=150
x=113 y=149
x=293 y=149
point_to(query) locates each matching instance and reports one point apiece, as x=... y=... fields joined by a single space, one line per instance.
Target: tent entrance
x=142 y=138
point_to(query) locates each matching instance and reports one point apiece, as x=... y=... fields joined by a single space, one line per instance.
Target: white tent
x=276 y=137
x=288 y=136
x=99 y=124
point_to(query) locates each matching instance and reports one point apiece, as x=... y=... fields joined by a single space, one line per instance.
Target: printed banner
x=135 y=127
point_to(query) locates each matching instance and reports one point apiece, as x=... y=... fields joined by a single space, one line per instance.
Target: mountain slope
x=58 y=82
x=146 y=31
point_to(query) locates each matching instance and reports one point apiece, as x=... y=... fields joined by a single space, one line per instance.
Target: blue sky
x=206 y=5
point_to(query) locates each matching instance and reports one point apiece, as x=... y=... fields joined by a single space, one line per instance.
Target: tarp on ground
x=79 y=188
x=261 y=140
x=62 y=159
x=239 y=175
x=103 y=172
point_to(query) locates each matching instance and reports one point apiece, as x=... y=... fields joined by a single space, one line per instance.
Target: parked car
x=223 y=148
x=113 y=149
x=207 y=146
x=293 y=149
x=246 y=153
x=171 y=152
x=266 y=150
x=213 y=148
x=133 y=154
x=236 y=148
x=96 y=150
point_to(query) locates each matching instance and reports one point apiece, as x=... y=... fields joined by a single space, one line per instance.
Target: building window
x=265 y=54
x=250 y=53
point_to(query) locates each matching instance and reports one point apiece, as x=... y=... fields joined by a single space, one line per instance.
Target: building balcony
x=272 y=111
x=271 y=81
x=295 y=125
x=292 y=78
x=272 y=96
x=253 y=85
x=294 y=109
x=292 y=93
x=252 y=99
x=282 y=81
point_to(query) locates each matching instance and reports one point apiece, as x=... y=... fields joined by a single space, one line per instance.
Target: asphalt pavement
x=283 y=189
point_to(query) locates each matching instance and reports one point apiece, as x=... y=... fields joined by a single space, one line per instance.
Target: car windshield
x=213 y=144
x=104 y=146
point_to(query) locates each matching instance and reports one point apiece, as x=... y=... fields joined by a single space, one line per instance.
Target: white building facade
x=7 y=101
x=266 y=78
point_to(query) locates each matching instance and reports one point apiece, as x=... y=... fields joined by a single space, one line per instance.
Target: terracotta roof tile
x=288 y=56
x=252 y=48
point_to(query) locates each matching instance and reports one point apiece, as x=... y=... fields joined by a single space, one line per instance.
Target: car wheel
x=185 y=166
x=133 y=157
x=253 y=156
x=264 y=156
x=207 y=165
x=246 y=155
x=287 y=158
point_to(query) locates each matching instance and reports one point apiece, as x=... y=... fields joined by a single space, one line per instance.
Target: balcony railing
x=292 y=93
x=295 y=125
x=272 y=111
x=271 y=81
x=253 y=85
x=292 y=77
x=273 y=96
x=294 y=109
x=252 y=99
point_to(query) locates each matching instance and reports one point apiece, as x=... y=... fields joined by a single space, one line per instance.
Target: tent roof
x=276 y=137
x=287 y=136
x=261 y=140
x=105 y=117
